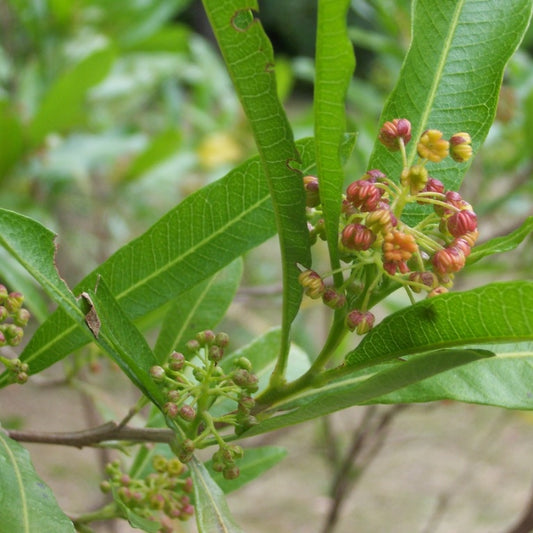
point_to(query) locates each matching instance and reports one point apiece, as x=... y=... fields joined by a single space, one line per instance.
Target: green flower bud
x=176 y=361
x=222 y=339
x=158 y=373
x=231 y=472
x=14 y=302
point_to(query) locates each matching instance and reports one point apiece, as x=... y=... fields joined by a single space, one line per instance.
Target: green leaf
x=121 y=340
x=161 y=147
x=199 y=308
x=212 y=512
x=499 y=312
x=178 y=252
x=32 y=245
x=451 y=77
x=499 y=245
x=63 y=104
x=249 y=58
x=356 y=388
x=27 y=504
x=335 y=63
x=17 y=279
x=256 y=461
x=502 y=381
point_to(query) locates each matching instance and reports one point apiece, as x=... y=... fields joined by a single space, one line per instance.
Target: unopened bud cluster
x=163 y=495
x=13 y=317
x=372 y=234
x=193 y=383
x=13 y=320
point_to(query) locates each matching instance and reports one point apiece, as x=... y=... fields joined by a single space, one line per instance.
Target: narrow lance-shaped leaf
x=26 y=503
x=334 y=67
x=18 y=280
x=451 y=77
x=498 y=245
x=201 y=307
x=33 y=246
x=121 y=340
x=502 y=381
x=208 y=230
x=249 y=58
x=356 y=389
x=211 y=508
x=499 y=312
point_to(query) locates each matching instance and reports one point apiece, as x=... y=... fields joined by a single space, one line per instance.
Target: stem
x=272 y=394
x=107 y=512
x=94 y=436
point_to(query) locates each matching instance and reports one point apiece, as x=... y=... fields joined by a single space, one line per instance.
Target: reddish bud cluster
x=312 y=283
x=395 y=132
x=372 y=233
x=357 y=237
x=360 y=321
x=164 y=494
x=363 y=195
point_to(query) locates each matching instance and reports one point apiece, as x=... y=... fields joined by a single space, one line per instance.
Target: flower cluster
x=373 y=237
x=193 y=384
x=13 y=320
x=162 y=495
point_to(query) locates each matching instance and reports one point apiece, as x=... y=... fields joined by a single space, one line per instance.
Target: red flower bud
x=461 y=147
x=448 y=260
x=462 y=222
x=312 y=197
x=392 y=131
x=187 y=412
x=176 y=361
x=359 y=321
x=373 y=175
x=357 y=237
x=312 y=283
x=363 y=195
x=334 y=299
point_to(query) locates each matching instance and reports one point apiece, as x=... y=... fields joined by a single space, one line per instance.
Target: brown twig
x=478 y=452
x=109 y=431
x=525 y=522
x=372 y=429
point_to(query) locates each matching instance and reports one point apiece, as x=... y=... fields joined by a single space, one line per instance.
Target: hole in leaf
x=294 y=165
x=243 y=19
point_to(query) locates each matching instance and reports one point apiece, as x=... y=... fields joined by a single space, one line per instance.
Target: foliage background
x=112 y=112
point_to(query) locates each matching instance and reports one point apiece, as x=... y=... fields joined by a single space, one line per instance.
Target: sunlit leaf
x=193 y=241
x=503 y=381
x=33 y=246
x=122 y=341
x=356 y=388
x=451 y=77
x=201 y=307
x=502 y=244
x=334 y=68
x=499 y=312
x=249 y=58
